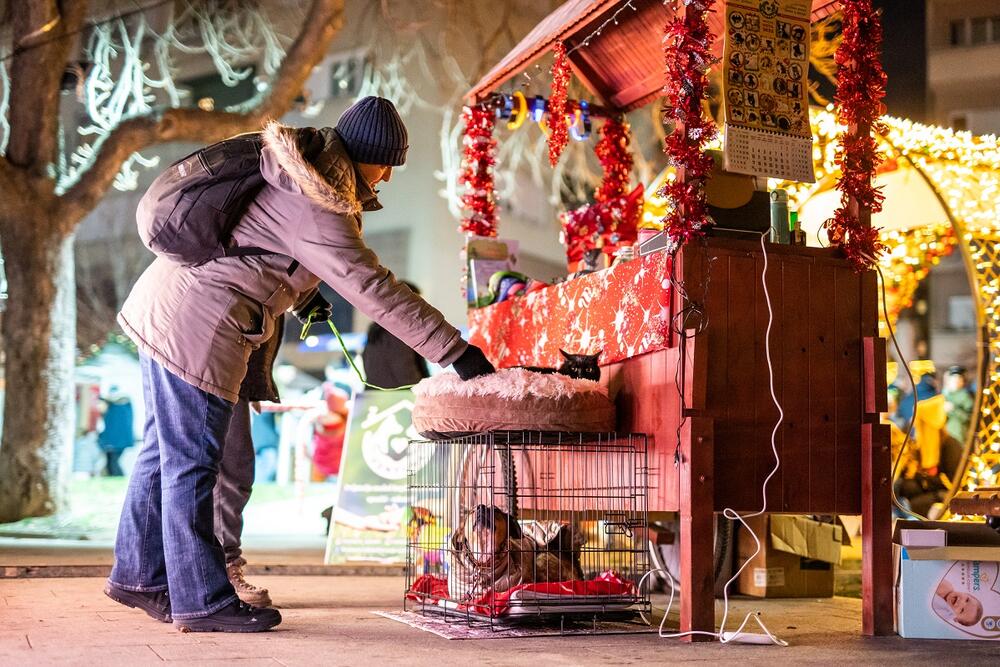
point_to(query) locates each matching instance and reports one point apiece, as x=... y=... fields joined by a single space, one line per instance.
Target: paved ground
x=328 y=621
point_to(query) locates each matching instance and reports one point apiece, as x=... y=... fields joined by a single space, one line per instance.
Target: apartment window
x=975 y=31
x=961 y=313
x=347 y=76
x=958 y=33
x=978 y=33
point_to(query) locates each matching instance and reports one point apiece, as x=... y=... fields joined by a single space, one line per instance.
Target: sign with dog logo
x=368 y=517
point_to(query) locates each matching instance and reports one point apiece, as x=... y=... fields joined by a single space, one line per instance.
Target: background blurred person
x=329 y=432
x=117 y=432
x=959 y=403
x=388 y=361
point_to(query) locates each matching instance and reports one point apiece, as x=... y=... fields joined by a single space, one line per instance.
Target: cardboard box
x=948 y=592
x=797 y=557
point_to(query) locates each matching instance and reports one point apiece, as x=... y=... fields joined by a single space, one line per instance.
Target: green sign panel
x=368 y=518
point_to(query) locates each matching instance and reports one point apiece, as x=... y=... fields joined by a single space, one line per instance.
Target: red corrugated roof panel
x=624 y=65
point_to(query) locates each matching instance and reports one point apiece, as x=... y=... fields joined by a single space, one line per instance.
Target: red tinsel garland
x=558 y=126
x=615 y=158
x=687 y=51
x=610 y=222
x=609 y=225
x=860 y=89
x=478 y=158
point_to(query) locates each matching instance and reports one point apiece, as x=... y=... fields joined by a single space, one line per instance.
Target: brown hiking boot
x=254 y=596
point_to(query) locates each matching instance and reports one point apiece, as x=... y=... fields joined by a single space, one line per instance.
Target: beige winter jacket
x=202 y=323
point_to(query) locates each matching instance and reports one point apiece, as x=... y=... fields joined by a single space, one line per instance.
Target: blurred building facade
x=963 y=64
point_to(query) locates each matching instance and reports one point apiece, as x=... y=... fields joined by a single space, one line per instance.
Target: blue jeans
x=166 y=535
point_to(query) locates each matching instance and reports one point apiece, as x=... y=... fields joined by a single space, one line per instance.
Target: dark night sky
x=904 y=56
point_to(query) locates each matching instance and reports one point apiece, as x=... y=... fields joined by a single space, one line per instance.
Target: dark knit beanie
x=373 y=132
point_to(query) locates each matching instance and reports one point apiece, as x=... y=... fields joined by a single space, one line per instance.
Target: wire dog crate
x=520 y=525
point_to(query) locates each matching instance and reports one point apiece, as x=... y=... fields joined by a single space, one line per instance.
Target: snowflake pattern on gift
x=624 y=311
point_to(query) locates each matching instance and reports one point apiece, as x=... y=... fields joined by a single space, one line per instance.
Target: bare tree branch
x=324 y=19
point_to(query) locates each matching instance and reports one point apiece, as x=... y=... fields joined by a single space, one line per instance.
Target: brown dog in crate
x=492 y=552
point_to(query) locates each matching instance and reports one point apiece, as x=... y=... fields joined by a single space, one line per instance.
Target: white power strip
x=746 y=638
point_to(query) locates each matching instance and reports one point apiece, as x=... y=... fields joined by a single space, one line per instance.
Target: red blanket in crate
x=608 y=584
x=622 y=312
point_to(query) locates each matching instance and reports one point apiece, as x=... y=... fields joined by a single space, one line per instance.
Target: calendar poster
x=766 y=81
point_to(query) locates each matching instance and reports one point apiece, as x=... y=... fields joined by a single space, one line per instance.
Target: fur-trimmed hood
x=330 y=179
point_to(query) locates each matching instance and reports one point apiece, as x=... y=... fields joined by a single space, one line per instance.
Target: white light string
x=613 y=19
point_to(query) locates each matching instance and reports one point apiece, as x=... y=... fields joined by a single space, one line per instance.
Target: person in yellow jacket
x=929 y=461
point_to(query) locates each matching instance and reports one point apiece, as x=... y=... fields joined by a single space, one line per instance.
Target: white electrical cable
x=731 y=514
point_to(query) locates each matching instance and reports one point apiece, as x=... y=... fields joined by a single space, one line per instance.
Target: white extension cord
x=739 y=636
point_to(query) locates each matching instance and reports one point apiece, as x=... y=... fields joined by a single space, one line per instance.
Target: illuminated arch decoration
x=962 y=177
x=963 y=173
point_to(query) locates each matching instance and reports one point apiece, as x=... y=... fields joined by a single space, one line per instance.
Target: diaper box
x=950 y=591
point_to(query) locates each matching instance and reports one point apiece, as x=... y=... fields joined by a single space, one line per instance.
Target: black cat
x=580 y=366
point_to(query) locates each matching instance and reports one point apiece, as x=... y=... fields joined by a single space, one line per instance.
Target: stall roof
x=623 y=66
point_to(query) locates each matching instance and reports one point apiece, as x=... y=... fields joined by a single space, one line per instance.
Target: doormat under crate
x=450 y=629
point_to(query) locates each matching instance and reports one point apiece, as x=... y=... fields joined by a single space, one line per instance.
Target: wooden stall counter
x=685 y=358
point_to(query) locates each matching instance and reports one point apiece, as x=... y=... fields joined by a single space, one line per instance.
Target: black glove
x=317 y=309
x=473 y=363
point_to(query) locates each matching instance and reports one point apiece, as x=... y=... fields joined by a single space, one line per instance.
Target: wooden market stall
x=711 y=442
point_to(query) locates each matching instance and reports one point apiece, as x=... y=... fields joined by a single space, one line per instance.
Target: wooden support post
x=876 y=475
x=876 y=472
x=876 y=531
x=697 y=577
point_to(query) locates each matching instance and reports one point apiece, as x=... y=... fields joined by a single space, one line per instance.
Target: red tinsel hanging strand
x=687 y=52
x=616 y=160
x=860 y=89
x=558 y=125
x=611 y=221
x=478 y=158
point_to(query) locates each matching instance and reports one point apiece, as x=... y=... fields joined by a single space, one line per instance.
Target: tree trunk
x=39 y=344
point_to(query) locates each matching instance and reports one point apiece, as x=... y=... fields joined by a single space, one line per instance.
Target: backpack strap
x=245 y=251
x=311 y=144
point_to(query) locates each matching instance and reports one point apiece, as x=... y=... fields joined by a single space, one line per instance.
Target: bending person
x=196 y=327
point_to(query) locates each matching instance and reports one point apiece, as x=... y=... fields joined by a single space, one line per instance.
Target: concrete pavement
x=328 y=621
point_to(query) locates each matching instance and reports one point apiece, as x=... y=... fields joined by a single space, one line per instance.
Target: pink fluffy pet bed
x=512 y=399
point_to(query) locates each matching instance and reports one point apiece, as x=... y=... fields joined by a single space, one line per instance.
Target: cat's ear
x=567 y=355
x=597 y=355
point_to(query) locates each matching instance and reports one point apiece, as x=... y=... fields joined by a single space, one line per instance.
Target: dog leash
x=350 y=358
